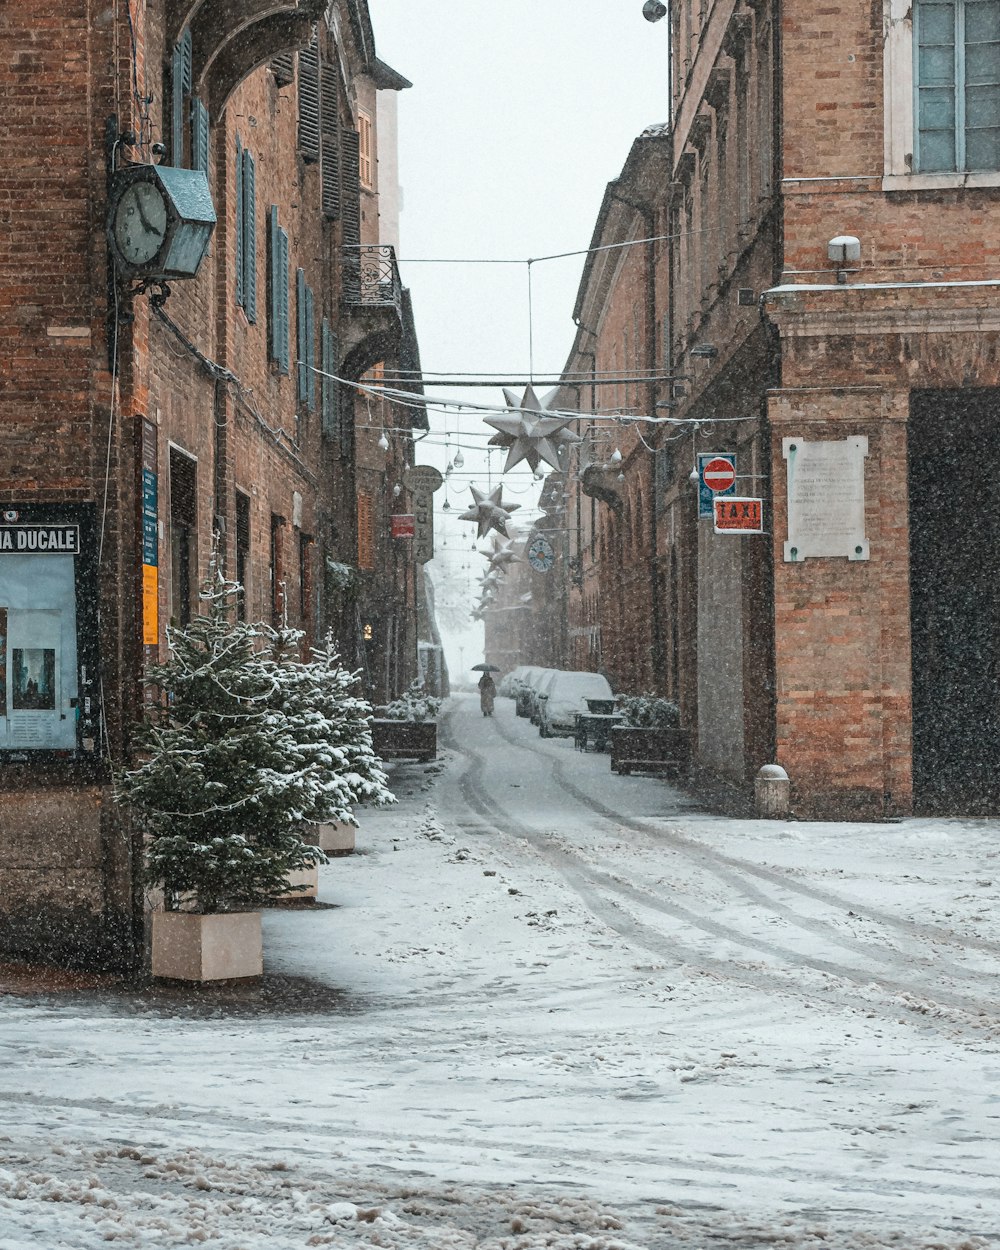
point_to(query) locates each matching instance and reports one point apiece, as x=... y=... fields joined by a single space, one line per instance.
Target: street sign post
x=721 y=468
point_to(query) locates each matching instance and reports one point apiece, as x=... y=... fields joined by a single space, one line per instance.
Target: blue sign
x=706 y=509
x=150 y=545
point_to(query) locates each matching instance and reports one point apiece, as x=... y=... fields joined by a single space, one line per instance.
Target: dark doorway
x=954 y=482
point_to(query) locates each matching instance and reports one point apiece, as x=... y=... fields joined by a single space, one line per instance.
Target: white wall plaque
x=826 y=498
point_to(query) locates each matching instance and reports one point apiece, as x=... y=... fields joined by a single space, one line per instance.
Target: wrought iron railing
x=371 y=277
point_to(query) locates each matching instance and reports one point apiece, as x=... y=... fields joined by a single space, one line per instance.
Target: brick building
x=147 y=428
x=825 y=308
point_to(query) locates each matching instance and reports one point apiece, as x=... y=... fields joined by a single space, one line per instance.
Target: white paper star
x=501 y=555
x=528 y=434
x=489 y=512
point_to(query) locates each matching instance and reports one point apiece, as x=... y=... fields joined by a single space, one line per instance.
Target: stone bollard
x=772 y=792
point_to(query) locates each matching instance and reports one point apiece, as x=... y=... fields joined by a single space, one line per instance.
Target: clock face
x=140 y=223
x=541 y=557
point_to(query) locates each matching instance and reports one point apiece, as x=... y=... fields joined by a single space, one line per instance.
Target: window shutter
x=366 y=531
x=310 y=351
x=330 y=388
x=283 y=301
x=300 y=329
x=309 y=101
x=351 y=182
x=199 y=135
x=177 y=104
x=277 y=290
x=240 y=296
x=249 y=206
x=283 y=68
x=330 y=125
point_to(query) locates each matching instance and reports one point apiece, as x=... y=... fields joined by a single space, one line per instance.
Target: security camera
x=653 y=10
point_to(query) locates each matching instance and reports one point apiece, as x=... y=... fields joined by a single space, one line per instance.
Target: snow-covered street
x=545 y=1006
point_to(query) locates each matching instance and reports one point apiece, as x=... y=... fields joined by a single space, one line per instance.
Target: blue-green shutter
x=239 y=223
x=249 y=208
x=199 y=136
x=300 y=332
x=310 y=351
x=277 y=290
x=180 y=85
x=330 y=389
x=283 y=361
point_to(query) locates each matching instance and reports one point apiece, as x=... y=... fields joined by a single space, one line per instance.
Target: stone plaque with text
x=826 y=498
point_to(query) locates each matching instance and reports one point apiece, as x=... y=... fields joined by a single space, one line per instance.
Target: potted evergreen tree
x=244 y=746
x=650 y=737
x=407 y=728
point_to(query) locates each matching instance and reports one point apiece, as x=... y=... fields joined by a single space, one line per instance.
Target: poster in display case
x=48 y=634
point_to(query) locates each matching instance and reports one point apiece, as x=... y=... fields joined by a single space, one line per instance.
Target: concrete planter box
x=188 y=946
x=309 y=877
x=404 y=739
x=650 y=750
x=334 y=838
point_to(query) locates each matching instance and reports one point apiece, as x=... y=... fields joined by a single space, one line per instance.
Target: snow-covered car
x=539 y=688
x=508 y=684
x=526 y=693
x=564 y=697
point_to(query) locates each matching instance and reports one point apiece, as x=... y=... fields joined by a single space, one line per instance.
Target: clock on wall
x=160 y=221
x=541 y=557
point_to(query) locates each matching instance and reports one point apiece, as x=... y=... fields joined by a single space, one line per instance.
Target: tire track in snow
x=589 y=883
x=719 y=865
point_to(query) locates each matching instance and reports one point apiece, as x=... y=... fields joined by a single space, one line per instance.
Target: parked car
x=508 y=684
x=565 y=696
x=525 y=692
x=540 y=687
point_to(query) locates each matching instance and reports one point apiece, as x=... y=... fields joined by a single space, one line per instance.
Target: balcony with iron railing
x=371 y=277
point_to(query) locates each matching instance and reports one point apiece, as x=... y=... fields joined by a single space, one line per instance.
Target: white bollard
x=772 y=792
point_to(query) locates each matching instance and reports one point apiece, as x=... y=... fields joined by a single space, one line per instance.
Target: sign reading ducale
x=40 y=539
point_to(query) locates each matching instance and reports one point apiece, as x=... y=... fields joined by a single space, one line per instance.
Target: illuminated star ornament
x=529 y=435
x=489 y=512
x=501 y=555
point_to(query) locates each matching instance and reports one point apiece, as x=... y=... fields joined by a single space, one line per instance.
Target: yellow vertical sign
x=150 y=605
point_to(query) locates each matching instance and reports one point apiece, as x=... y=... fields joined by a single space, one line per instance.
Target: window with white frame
x=366 y=151
x=942 y=93
x=956 y=47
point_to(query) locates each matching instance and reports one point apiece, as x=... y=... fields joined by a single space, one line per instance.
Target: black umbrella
x=486 y=668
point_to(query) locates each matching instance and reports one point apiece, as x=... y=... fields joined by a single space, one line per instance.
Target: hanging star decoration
x=530 y=435
x=489 y=512
x=501 y=555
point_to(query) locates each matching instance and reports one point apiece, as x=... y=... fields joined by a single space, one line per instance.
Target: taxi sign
x=739 y=516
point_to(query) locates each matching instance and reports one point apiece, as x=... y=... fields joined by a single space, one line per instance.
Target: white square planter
x=309 y=877
x=188 y=946
x=335 y=838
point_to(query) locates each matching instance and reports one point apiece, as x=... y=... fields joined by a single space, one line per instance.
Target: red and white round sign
x=719 y=474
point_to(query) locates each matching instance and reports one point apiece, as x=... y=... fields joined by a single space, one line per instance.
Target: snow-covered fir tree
x=244 y=746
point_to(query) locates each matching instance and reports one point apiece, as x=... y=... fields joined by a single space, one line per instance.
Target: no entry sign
x=719 y=474
x=723 y=465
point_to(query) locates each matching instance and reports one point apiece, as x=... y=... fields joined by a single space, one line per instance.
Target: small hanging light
x=459 y=459
x=616 y=456
x=383 y=442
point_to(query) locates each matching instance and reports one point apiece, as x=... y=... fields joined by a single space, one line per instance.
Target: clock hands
x=146 y=224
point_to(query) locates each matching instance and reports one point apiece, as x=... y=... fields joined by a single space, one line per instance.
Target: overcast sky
x=521 y=112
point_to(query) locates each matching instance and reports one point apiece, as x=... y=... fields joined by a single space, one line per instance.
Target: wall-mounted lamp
x=844 y=250
x=707 y=351
x=653 y=10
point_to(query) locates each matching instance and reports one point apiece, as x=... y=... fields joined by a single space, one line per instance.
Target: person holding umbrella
x=487 y=687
